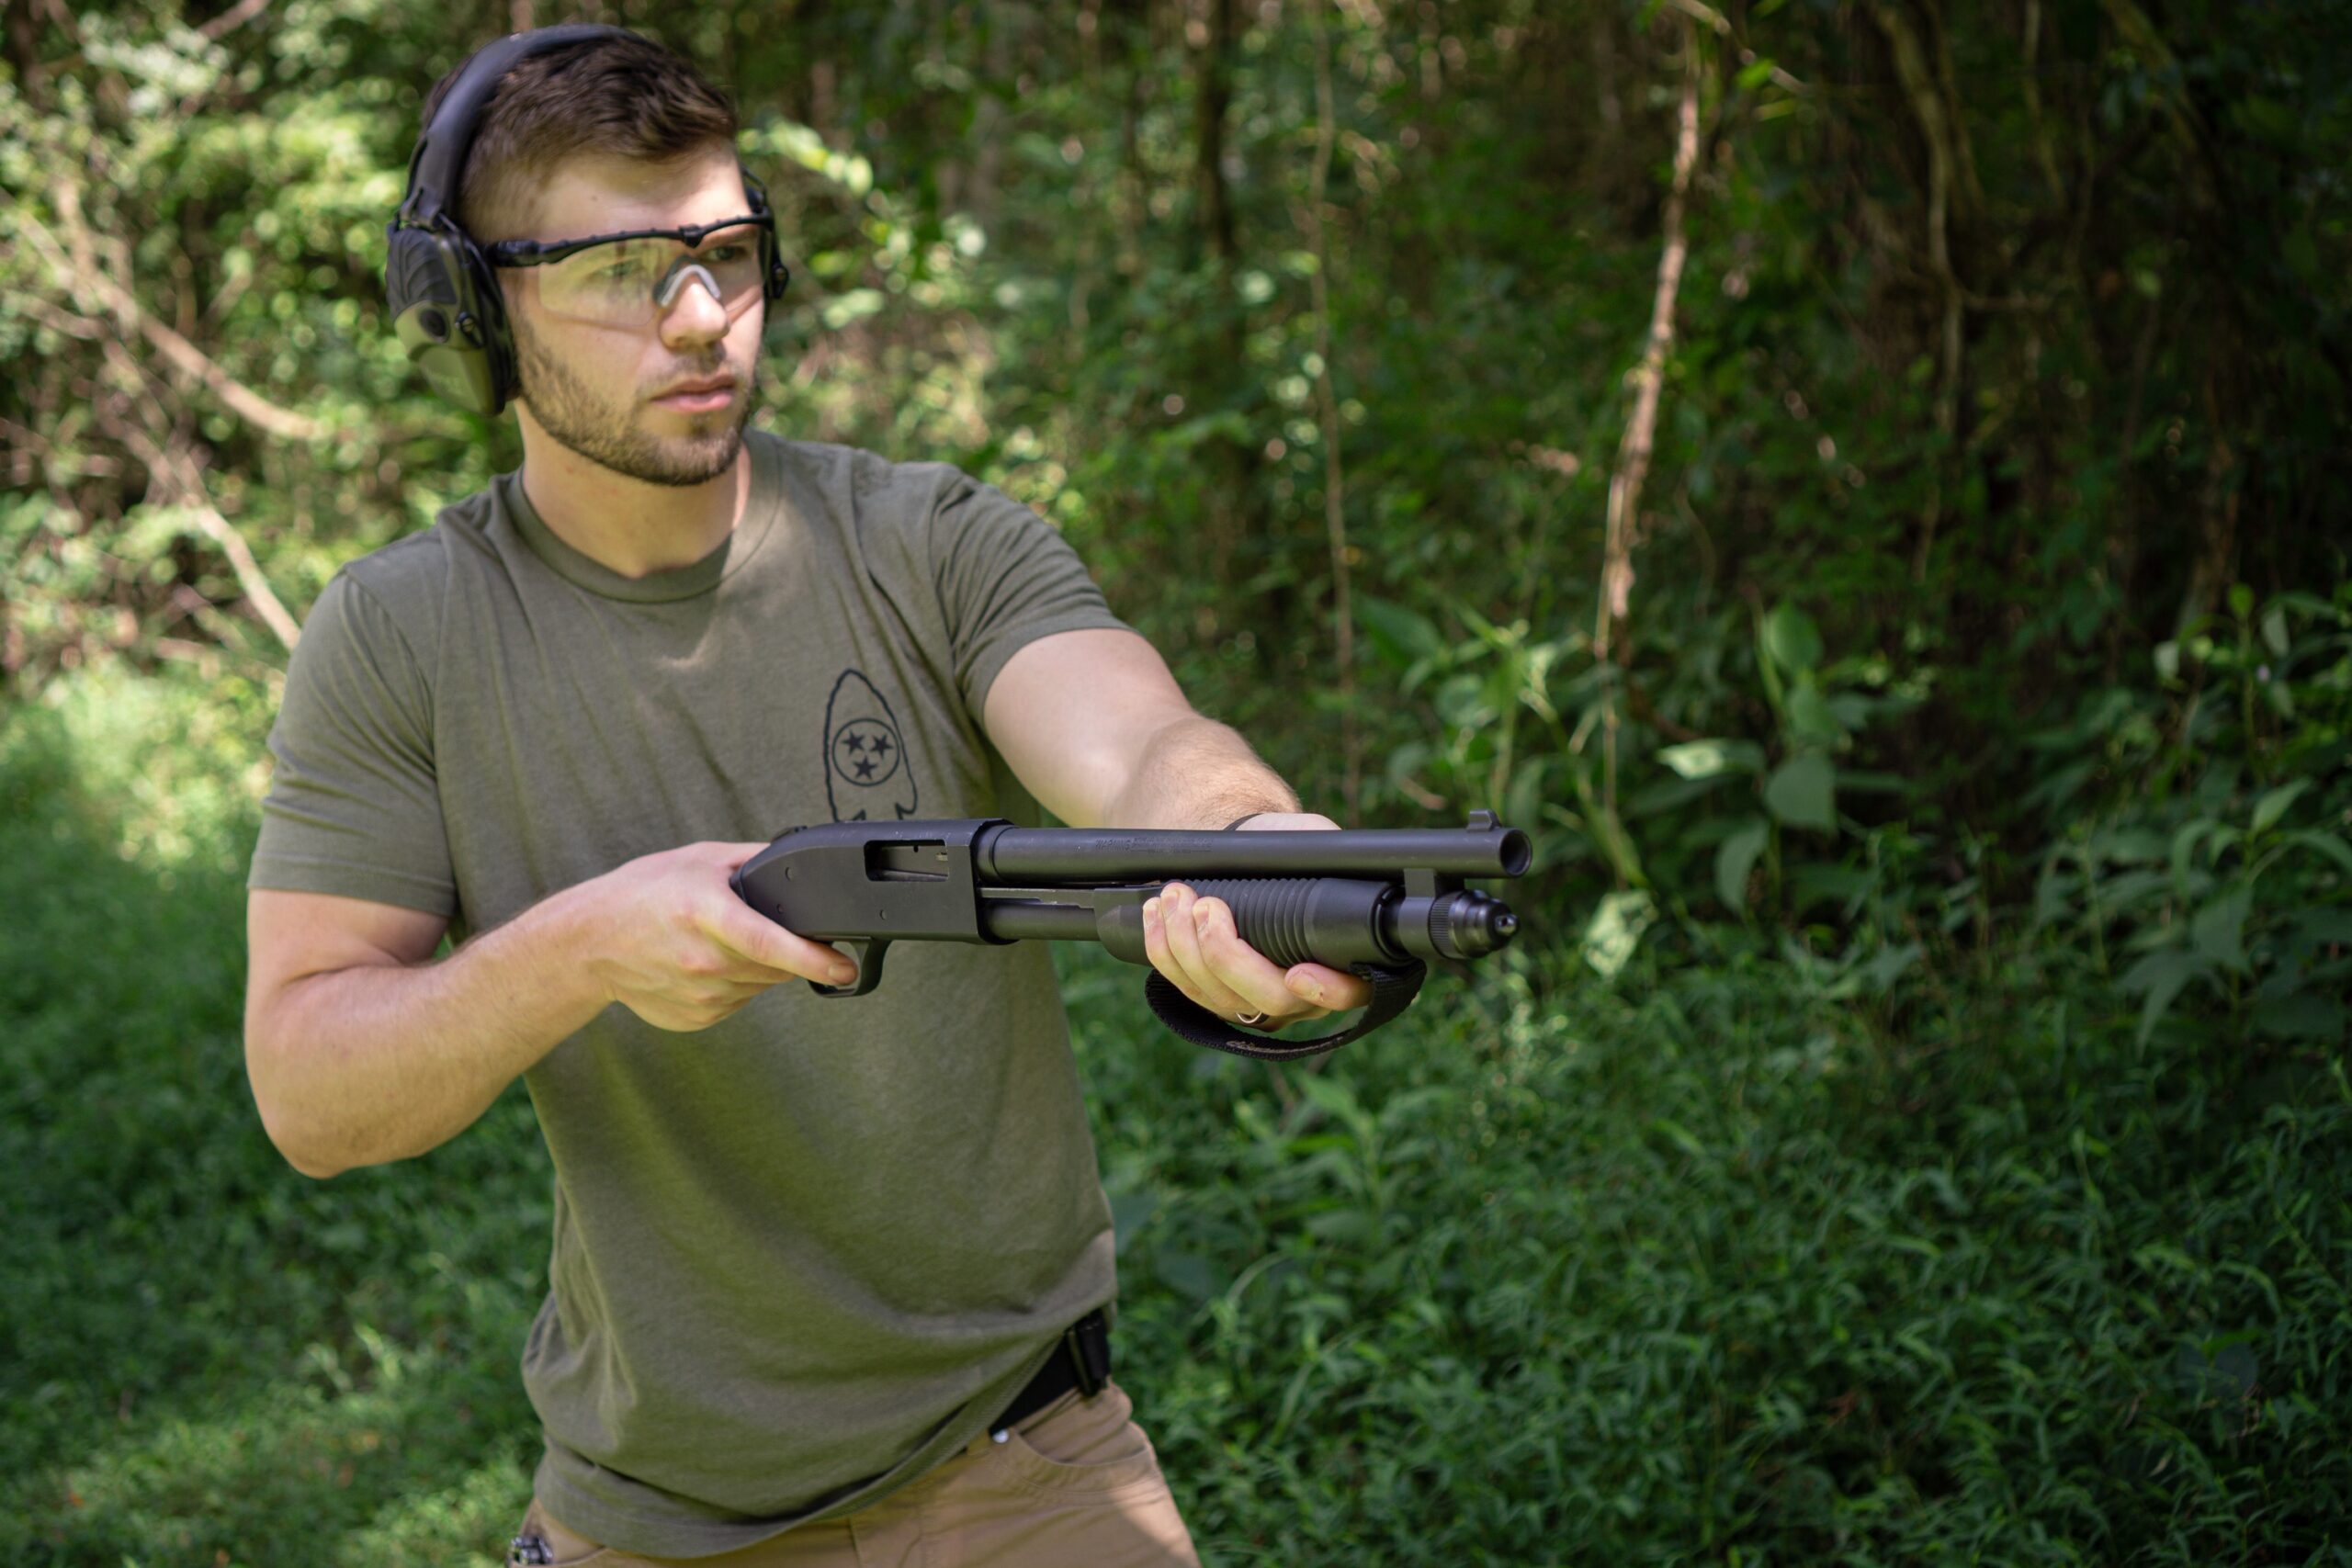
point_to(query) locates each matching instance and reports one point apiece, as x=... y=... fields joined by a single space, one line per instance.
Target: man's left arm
x=1094 y=726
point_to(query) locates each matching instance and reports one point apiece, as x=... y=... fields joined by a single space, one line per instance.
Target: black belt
x=1082 y=1361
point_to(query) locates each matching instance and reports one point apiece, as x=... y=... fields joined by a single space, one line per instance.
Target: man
x=814 y=1259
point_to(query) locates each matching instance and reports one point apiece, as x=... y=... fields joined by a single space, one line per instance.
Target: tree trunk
x=1215 y=96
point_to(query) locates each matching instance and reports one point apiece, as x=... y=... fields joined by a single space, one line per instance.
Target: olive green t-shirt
x=804 y=1255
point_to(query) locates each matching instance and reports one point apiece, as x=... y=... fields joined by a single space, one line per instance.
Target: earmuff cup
x=448 y=314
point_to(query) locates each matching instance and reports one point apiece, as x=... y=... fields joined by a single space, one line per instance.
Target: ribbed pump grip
x=1313 y=920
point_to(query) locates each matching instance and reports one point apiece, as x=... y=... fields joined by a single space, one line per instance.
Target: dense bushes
x=1723 y=1256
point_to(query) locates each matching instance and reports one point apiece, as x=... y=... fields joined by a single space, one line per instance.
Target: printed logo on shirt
x=867 y=777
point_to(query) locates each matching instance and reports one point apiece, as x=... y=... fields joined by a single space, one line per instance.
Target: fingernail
x=1151 y=911
x=843 y=974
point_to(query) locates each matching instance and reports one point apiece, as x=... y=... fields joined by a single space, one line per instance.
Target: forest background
x=1862 y=481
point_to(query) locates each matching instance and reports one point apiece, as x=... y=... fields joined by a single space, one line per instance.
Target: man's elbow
x=312 y=1168
x=287 y=1132
x=302 y=1157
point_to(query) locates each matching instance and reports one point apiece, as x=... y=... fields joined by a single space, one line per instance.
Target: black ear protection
x=447 y=308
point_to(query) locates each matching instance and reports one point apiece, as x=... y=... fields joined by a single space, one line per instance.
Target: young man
x=814 y=1259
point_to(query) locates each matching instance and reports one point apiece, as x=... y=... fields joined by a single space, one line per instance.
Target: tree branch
x=1633 y=452
x=1335 y=521
x=173 y=467
x=71 y=274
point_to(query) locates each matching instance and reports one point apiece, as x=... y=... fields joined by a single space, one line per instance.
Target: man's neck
x=625 y=525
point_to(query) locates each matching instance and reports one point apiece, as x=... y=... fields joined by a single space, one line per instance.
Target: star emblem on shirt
x=864 y=751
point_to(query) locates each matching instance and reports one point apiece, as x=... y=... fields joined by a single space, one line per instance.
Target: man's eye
x=726 y=252
x=619 y=270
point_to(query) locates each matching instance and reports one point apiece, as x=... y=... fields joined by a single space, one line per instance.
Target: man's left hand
x=1192 y=941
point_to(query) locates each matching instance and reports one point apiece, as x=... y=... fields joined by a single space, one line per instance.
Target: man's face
x=598 y=390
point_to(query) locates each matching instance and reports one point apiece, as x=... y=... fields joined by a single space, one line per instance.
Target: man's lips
x=712 y=392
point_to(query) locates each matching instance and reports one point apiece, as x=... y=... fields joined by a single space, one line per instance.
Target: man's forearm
x=1198 y=773
x=381 y=1061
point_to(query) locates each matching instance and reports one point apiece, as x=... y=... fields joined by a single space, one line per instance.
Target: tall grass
x=1683 y=1266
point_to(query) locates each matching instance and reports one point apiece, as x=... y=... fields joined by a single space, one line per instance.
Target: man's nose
x=694 y=314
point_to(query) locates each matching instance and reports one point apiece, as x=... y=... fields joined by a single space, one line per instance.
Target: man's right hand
x=673 y=943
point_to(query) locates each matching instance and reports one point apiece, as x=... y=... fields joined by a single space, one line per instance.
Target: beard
x=605 y=431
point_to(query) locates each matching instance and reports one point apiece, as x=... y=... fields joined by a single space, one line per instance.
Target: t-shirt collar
x=750 y=531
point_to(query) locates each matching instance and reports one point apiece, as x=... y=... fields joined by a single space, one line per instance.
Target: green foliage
x=202 y=1350
x=2210 y=849
x=1698 y=1263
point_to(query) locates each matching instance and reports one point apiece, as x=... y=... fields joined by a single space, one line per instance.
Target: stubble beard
x=606 y=433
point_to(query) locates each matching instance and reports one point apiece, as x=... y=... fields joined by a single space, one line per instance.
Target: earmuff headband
x=439 y=160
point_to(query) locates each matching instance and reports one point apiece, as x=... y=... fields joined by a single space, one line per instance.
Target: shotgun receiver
x=1377 y=902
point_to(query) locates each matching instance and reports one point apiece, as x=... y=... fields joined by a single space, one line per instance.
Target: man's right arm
x=363 y=1049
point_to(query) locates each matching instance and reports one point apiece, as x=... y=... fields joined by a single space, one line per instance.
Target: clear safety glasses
x=628 y=280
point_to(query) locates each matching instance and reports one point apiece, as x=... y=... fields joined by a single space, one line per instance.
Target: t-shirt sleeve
x=352 y=807
x=1005 y=577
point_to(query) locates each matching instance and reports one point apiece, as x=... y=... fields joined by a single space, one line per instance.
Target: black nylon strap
x=1393 y=991
x=1082 y=1361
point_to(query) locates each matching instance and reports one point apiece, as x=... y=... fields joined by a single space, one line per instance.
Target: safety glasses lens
x=625 y=282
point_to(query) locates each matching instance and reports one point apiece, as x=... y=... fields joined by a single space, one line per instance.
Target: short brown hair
x=628 y=97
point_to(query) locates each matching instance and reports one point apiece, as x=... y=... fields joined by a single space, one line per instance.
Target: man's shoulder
x=415 y=568
x=860 y=476
x=406 y=583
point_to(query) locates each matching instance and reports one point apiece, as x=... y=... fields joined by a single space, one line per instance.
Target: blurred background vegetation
x=1861 y=480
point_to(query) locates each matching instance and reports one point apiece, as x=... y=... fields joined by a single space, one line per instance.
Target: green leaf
x=1879 y=972
x=2130 y=846
x=1615 y=930
x=2184 y=845
x=854 y=306
x=2301 y=1015
x=2273 y=805
x=2327 y=844
x=1190 y=1274
x=2162 y=975
x=1402 y=636
x=1335 y=1099
x=1736 y=858
x=2218 y=930
x=1705 y=759
x=1803 y=792
x=1681 y=1137
x=1790 y=637
x=2274 y=630
x=1129 y=1213
x=1344 y=1228
x=1811 y=716
x=1858 y=780
x=1825 y=882
x=1667 y=794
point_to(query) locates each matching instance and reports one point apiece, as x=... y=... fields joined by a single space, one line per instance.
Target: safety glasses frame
x=540 y=253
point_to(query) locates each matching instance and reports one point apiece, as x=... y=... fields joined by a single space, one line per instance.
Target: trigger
x=867 y=954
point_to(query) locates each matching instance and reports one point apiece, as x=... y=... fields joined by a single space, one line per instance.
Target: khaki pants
x=1076 y=1484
